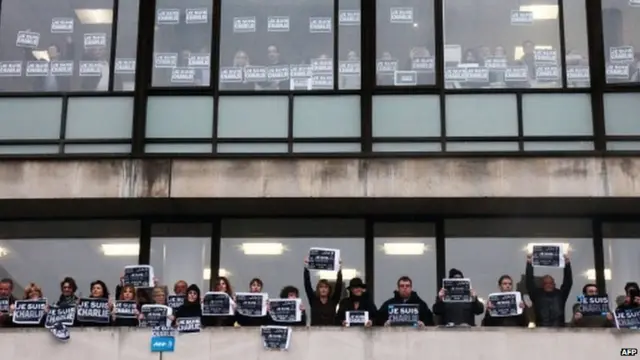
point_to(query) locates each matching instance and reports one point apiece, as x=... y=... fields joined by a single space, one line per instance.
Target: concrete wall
x=325 y=344
x=322 y=178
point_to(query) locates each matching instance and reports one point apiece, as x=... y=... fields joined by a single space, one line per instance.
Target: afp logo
x=628 y=352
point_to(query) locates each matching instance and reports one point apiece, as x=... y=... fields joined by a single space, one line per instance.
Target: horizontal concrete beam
x=317 y=178
x=323 y=344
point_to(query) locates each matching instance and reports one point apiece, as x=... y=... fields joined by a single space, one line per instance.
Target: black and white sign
x=63 y=314
x=61 y=67
x=93 y=311
x=516 y=74
x=276 y=337
x=578 y=73
x=405 y=78
x=386 y=66
x=505 y=304
x=91 y=68
x=423 y=64
x=548 y=255
x=163 y=331
x=401 y=15
x=321 y=66
x=356 y=317
x=188 y=325
x=37 y=68
x=477 y=74
x=28 y=39
x=175 y=301
x=125 y=66
x=456 y=74
x=62 y=25
x=183 y=75
x=142 y=275
x=278 y=73
x=621 y=54
x=252 y=304
x=278 y=24
x=255 y=73
x=349 y=68
x=548 y=73
x=320 y=25
x=167 y=16
x=95 y=40
x=126 y=309
x=163 y=61
x=197 y=16
x=322 y=81
x=496 y=63
x=231 y=74
x=618 y=72
x=4 y=304
x=349 y=17
x=10 y=68
x=594 y=305
x=323 y=258
x=519 y=18
x=216 y=304
x=545 y=56
x=60 y=331
x=300 y=71
x=29 y=312
x=628 y=319
x=244 y=24
x=404 y=314
x=285 y=310
x=155 y=315
x=457 y=290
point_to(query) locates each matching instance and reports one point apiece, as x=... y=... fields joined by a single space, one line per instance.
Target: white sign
x=578 y=73
x=62 y=25
x=197 y=16
x=199 y=61
x=506 y=304
x=320 y=25
x=244 y=24
x=183 y=75
x=167 y=16
x=455 y=74
x=255 y=73
x=402 y=15
x=125 y=66
x=27 y=39
x=95 y=40
x=165 y=60
x=300 y=71
x=10 y=68
x=521 y=17
x=547 y=73
x=231 y=74
x=278 y=24
x=91 y=68
x=349 y=17
x=349 y=68
x=621 y=54
x=37 y=68
x=617 y=71
x=62 y=67
x=545 y=56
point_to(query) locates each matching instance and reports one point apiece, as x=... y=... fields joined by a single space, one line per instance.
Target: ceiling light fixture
x=591 y=274
x=94 y=16
x=120 y=249
x=404 y=248
x=542 y=12
x=262 y=248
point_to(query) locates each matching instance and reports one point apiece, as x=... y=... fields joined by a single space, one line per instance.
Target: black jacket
x=513 y=321
x=302 y=322
x=5 y=319
x=365 y=303
x=458 y=313
x=425 y=314
x=252 y=320
x=549 y=306
x=322 y=314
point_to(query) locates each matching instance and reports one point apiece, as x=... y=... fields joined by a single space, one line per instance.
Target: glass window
x=405 y=43
x=620 y=19
x=621 y=253
x=349 y=44
x=288 y=46
x=54 y=46
x=47 y=252
x=486 y=249
x=126 y=45
x=182 y=43
x=576 y=43
x=274 y=251
x=181 y=252
x=511 y=43
x=405 y=249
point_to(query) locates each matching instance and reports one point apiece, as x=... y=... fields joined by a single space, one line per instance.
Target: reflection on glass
x=620 y=40
x=182 y=41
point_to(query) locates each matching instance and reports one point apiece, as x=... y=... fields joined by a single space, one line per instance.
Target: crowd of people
x=327 y=308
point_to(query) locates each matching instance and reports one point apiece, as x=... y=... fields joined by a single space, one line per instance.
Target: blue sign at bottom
x=163 y=343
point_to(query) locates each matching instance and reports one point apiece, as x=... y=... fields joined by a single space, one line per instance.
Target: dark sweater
x=458 y=313
x=322 y=314
x=364 y=304
x=549 y=306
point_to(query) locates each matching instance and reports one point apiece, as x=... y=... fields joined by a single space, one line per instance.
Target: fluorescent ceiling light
x=206 y=273
x=333 y=275
x=120 y=249
x=3 y=252
x=262 y=248
x=542 y=12
x=40 y=54
x=591 y=274
x=404 y=248
x=95 y=16
x=565 y=246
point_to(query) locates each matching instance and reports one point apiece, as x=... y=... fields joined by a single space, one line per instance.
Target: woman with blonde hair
x=127 y=293
x=31 y=292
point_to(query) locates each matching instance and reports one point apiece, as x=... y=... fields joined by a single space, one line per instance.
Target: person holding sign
x=358 y=301
x=6 y=300
x=505 y=284
x=34 y=313
x=324 y=299
x=222 y=285
x=127 y=294
x=68 y=290
x=458 y=312
x=632 y=297
x=290 y=292
x=191 y=307
x=405 y=295
x=95 y=310
x=255 y=287
x=180 y=287
x=592 y=310
x=549 y=302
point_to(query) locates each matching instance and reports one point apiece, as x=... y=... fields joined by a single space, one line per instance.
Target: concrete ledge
x=324 y=343
x=317 y=178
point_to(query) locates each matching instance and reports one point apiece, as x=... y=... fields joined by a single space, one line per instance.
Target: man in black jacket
x=405 y=295
x=505 y=284
x=358 y=300
x=6 y=290
x=549 y=301
x=457 y=313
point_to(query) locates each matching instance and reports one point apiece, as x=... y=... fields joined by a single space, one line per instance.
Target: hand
x=387 y=323
x=340 y=265
x=122 y=280
x=420 y=324
x=46 y=308
x=636 y=300
x=368 y=323
x=301 y=307
x=529 y=258
x=522 y=305
x=344 y=323
x=141 y=317
x=567 y=260
x=473 y=293
x=306 y=261
x=12 y=308
x=110 y=304
x=609 y=316
x=489 y=305
x=577 y=316
x=442 y=293
x=136 y=312
x=155 y=281
x=171 y=317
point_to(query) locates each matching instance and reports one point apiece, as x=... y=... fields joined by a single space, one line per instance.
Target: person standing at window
x=322 y=301
x=68 y=288
x=255 y=286
x=99 y=290
x=191 y=306
x=31 y=292
x=596 y=321
x=6 y=290
x=549 y=301
x=505 y=284
x=457 y=313
x=632 y=298
x=405 y=295
x=358 y=300
x=291 y=292
x=128 y=293
x=180 y=287
x=222 y=285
